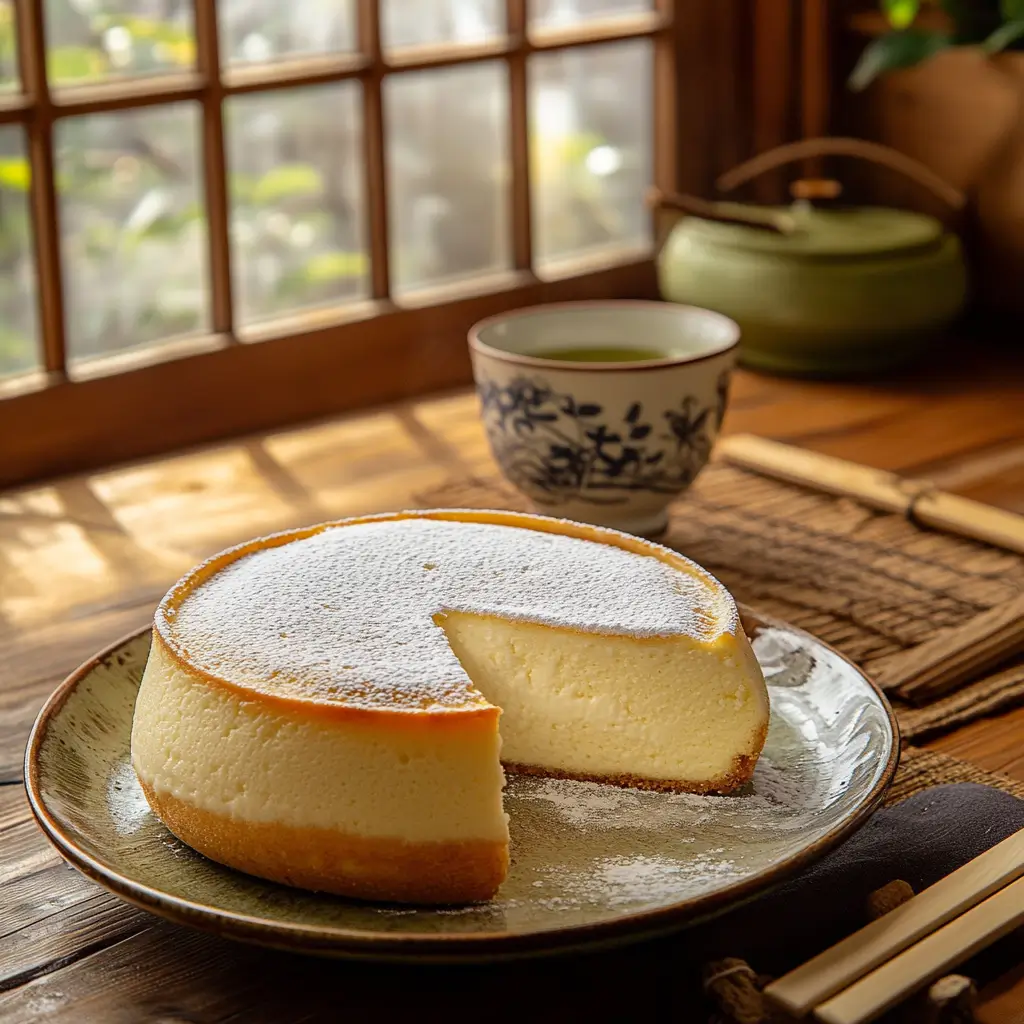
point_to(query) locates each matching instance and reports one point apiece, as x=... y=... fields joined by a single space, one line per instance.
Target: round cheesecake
x=331 y=707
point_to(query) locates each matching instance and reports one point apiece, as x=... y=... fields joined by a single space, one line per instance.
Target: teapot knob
x=816 y=190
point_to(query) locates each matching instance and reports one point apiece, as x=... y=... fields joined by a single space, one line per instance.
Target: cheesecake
x=332 y=707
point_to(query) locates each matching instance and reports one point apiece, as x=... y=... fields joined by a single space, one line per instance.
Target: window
x=222 y=216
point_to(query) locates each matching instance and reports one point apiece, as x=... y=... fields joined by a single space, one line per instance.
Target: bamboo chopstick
x=928 y=959
x=874 y=487
x=816 y=981
x=878 y=489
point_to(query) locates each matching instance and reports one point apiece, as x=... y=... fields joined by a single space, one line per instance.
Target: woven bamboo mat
x=911 y=605
x=921 y=769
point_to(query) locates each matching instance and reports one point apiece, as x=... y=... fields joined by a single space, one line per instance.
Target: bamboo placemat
x=922 y=769
x=860 y=559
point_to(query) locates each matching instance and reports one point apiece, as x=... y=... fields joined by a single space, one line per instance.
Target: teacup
x=604 y=442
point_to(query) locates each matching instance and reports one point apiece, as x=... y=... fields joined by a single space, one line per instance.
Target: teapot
x=818 y=288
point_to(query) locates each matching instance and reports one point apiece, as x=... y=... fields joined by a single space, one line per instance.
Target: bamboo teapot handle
x=859 y=148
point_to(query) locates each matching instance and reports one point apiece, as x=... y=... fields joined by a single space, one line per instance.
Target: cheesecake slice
x=322 y=707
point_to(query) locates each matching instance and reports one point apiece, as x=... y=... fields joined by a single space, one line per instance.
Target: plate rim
x=451 y=947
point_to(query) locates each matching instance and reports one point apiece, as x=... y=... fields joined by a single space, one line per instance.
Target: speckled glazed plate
x=591 y=864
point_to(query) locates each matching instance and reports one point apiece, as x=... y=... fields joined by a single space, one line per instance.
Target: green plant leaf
x=1012 y=10
x=17 y=352
x=289 y=181
x=1004 y=36
x=972 y=21
x=170 y=42
x=895 y=50
x=15 y=173
x=242 y=187
x=68 y=63
x=330 y=266
x=901 y=13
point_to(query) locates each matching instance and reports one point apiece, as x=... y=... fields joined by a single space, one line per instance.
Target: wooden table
x=84 y=560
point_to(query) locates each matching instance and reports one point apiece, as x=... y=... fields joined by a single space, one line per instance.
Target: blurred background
x=130 y=184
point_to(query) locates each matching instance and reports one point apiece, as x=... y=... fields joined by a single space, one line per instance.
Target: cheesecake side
x=350 y=806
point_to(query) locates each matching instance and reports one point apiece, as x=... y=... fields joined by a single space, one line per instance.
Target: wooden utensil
x=777 y=221
x=928 y=959
x=878 y=965
x=878 y=489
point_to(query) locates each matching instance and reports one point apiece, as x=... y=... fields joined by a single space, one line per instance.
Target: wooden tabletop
x=84 y=560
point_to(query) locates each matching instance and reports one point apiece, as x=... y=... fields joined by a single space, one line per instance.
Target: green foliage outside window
x=994 y=25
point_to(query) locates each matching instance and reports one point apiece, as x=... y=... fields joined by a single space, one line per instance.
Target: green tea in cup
x=601 y=354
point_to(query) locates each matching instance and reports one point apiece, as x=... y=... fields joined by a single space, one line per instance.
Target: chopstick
x=842 y=966
x=876 y=488
x=928 y=959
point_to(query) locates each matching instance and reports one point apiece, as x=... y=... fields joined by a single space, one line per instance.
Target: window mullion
x=43 y=195
x=375 y=167
x=666 y=170
x=519 y=139
x=214 y=167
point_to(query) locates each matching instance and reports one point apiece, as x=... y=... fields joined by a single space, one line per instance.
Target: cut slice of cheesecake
x=321 y=707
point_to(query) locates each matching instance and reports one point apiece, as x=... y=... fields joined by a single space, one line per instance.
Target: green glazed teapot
x=818 y=290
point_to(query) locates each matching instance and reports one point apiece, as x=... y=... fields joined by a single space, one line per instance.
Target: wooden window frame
x=319 y=362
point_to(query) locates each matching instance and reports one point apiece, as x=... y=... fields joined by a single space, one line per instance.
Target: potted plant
x=944 y=83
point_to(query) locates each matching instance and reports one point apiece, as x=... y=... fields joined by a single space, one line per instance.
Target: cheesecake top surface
x=349 y=613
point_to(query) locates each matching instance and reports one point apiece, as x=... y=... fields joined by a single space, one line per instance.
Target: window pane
x=134 y=232
x=297 y=207
x=414 y=22
x=556 y=13
x=8 y=53
x=252 y=31
x=448 y=173
x=17 y=281
x=590 y=148
x=117 y=38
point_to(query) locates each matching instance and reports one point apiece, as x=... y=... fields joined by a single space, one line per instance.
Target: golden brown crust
x=740 y=774
x=469 y=715
x=327 y=861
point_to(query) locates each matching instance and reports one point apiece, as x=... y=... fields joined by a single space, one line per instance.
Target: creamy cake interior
x=678 y=724
x=322 y=707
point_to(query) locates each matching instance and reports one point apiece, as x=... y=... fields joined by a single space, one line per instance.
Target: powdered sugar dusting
x=129 y=810
x=631 y=879
x=777 y=800
x=647 y=849
x=347 y=614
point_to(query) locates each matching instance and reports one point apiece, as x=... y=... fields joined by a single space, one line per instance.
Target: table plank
x=93 y=922
x=996 y=744
x=164 y=973
x=51 y=914
x=38 y=659
x=24 y=848
x=1002 y=1002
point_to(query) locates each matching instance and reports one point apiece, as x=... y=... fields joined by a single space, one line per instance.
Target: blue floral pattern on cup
x=555 y=446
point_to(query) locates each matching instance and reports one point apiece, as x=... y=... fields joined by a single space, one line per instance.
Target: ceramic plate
x=590 y=863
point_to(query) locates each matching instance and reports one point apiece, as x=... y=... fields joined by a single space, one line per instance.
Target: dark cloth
x=919 y=840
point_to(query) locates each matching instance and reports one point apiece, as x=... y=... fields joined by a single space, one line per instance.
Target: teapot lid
x=858 y=232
